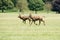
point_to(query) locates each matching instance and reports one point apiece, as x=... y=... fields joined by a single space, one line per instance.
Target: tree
x=19 y=5
x=56 y=6
x=14 y=2
x=45 y=1
x=35 y=5
x=10 y=4
x=5 y=4
x=2 y=5
x=47 y=5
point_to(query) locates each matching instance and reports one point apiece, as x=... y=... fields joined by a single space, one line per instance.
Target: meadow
x=12 y=28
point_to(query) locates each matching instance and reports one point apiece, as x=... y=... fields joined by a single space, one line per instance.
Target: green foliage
x=10 y=4
x=3 y=4
x=14 y=2
x=45 y=1
x=22 y=5
x=35 y=5
x=6 y=4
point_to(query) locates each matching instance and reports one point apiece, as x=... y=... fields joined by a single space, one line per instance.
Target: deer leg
x=24 y=21
x=29 y=21
x=39 y=22
x=34 y=22
x=43 y=22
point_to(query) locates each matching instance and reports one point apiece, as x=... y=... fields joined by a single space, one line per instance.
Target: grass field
x=12 y=28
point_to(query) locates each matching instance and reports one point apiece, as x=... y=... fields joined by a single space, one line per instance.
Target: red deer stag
x=24 y=18
x=37 y=18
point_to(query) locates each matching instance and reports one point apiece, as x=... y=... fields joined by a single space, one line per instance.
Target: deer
x=37 y=18
x=24 y=18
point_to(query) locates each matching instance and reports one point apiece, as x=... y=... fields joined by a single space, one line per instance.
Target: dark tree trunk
x=2 y=10
x=2 y=6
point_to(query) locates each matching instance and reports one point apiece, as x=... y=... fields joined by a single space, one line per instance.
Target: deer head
x=19 y=16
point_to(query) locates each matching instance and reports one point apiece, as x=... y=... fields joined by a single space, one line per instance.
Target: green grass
x=12 y=28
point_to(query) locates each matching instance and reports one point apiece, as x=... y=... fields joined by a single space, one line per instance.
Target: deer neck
x=20 y=17
x=30 y=16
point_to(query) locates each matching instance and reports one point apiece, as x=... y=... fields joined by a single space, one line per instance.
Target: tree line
x=33 y=5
